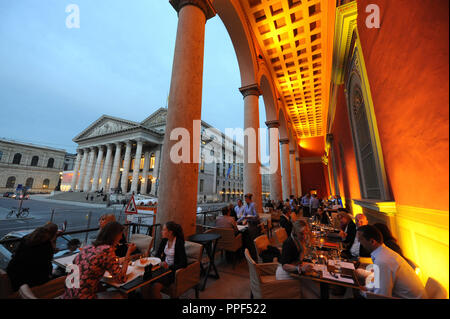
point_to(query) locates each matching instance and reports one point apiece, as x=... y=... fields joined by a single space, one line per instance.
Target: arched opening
x=10 y=182
x=46 y=183
x=17 y=158
x=29 y=183
x=34 y=161
x=50 y=163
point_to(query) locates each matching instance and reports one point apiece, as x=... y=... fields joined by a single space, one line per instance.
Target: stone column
x=76 y=170
x=185 y=104
x=89 y=169
x=98 y=165
x=293 y=172
x=252 y=166
x=126 y=167
x=106 y=167
x=115 y=172
x=137 y=162
x=82 y=169
x=276 y=191
x=286 y=175
x=299 y=178
x=143 y=189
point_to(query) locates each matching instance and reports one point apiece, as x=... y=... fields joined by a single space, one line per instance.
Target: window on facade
x=17 y=158
x=152 y=161
x=46 y=183
x=201 y=185
x=202 y=164
x=34 y=160
x=51 y=162
x=1 y=155
x=29 y=182
x=11 y=182
x=367 y=156
x=212 y=152
x=141 y=164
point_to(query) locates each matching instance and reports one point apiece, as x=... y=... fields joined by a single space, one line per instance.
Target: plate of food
x=144 y=262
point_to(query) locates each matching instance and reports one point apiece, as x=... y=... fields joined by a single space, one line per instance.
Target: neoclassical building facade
x=115 y=153
x=33 y=166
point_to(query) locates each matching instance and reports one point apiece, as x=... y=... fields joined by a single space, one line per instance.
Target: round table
x=209 y=242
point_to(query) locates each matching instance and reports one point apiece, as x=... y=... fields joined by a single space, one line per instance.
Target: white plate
x=150 y=260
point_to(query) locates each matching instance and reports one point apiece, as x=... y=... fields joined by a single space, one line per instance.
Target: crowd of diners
x=31 y=262
x=397 y=277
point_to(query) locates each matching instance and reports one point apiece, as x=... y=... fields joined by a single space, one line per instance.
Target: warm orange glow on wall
x=295 y=38
x=312 y=147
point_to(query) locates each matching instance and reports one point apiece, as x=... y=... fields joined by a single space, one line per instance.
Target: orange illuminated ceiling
x=295 y=37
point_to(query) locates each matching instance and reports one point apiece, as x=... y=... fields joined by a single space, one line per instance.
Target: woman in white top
x=172 y=254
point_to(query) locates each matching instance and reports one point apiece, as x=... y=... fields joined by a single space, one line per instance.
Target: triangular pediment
x=156 y=119
x=105 y=125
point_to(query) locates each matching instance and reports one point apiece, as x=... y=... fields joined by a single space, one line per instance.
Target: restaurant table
x=325 y=278
x=209 y=242
x=135 y=278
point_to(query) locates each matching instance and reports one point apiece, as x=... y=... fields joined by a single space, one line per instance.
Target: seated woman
x=31 y=262
x=226 y=221
x=122 y=246
x=322 y=216
x=293 y=251
x=173 y=256
x=95 y=259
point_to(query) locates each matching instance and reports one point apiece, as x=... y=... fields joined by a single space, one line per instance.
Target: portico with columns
x=117 y=154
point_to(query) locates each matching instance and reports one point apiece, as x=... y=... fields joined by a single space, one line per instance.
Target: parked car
x=61 y=241
x=9 y=194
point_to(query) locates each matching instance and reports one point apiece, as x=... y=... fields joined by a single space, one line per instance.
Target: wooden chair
x=228 y=241
x=264 y=285
x=143 y=242
x=435 y=290
x=189 y=277
x=261 y=244
x=50 y=290
x=6 y=291
x=281 y=236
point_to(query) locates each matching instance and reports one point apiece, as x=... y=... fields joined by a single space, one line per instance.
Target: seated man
x=357 y=250
x=393 y=276
x=226 y=221
x=285 y=220
x=348 y=231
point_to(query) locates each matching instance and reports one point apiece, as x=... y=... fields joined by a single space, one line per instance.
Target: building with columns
x=34 y=166
x=109 y=147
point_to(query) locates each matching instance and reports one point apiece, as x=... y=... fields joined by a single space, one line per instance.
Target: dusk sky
x=56 y=81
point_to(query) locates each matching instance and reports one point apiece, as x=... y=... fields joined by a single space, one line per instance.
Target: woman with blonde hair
x=294 y=248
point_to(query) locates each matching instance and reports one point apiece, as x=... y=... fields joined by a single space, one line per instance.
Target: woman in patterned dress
x=95 y=259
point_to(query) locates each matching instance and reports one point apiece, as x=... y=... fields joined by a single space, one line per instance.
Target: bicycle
x=23 y=212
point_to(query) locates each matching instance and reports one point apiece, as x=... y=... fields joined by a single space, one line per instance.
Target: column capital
x=204 y=5
x=292 y=152
x=252 y=89
x=284 y=141
x=273 y=124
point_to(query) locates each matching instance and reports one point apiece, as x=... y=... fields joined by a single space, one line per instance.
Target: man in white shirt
x=393 y=276
x=361 y=220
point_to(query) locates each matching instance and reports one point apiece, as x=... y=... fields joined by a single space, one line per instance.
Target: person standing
x=306 y=202
x=239 y=209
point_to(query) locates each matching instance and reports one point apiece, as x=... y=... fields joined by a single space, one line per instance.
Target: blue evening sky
x=56 y=81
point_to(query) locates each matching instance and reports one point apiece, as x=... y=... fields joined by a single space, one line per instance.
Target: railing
x=133 y=228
